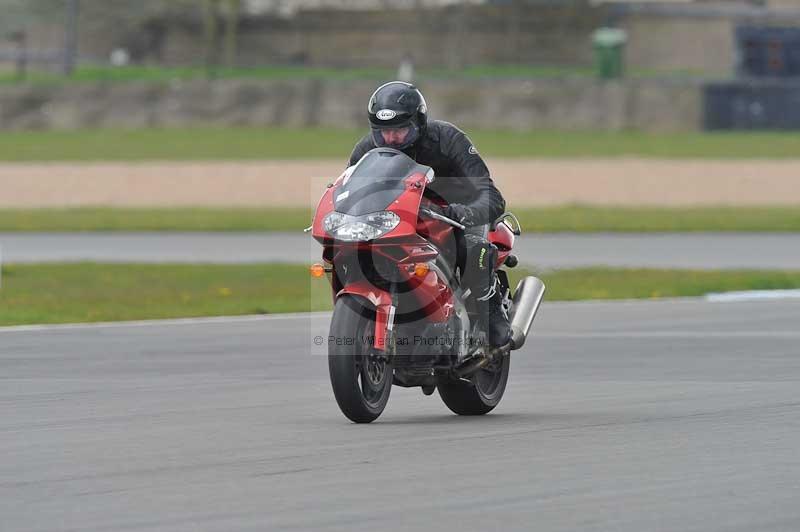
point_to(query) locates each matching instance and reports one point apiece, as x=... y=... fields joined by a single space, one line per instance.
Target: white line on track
x=671 y=334
x=326 y=314
x=753 y=295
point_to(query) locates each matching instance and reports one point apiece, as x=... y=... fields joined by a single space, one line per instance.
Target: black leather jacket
x=461 y=175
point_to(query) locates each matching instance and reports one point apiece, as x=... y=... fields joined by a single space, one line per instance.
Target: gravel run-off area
x=524 y=182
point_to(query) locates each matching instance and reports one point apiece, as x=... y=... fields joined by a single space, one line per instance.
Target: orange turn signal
x=421 y=269
x=317 y=270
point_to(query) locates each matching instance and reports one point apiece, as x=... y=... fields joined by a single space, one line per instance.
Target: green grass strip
x=134 y=73
x=626 y=283
x=89 y=292
x=156 y=74
x=215 y=143
x=574 y=218
x=156 y=219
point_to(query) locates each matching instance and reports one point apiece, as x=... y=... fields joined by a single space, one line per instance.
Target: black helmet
x=394 y=107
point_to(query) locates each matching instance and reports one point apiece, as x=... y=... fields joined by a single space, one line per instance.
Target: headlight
x=360 y=228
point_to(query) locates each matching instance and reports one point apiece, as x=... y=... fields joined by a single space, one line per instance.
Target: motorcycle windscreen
x=376 y=182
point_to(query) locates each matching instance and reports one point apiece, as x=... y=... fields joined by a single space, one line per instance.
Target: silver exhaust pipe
x=527 y=298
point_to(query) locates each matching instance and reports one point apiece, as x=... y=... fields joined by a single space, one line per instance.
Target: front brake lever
x=442 y=218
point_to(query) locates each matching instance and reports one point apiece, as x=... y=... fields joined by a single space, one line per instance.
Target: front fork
x=385 y=330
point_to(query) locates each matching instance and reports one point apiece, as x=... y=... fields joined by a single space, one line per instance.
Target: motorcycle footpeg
x=481 y=359
x=497 y=352
x=472 y=364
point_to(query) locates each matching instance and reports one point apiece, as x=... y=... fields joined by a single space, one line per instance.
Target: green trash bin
x=609 y=45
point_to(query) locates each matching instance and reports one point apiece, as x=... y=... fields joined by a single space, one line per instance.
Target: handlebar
x=442 y=218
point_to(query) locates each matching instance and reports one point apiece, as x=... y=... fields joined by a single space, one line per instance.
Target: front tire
x=481 y=394
x=361 y=377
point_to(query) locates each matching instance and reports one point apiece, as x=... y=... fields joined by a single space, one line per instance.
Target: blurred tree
x=95 y=13
x=15 y=17
x=210 y=21
x=232 y=12
x=229 y=11
x=141 y=24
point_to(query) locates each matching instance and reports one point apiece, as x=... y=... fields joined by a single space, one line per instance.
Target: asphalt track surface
x=630 y=416
x=693 y=250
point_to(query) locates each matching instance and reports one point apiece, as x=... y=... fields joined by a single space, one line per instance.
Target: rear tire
x=479 y=396
x=361 y=380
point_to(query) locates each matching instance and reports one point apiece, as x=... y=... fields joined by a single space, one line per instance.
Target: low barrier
x=568 y=103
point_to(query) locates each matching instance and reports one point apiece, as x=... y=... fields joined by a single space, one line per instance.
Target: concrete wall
x=696 y=45
x=539 y=104
x=447 y=37
x=696 y=37
x=437 y=37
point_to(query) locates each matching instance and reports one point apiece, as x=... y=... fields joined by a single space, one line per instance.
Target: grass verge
x=575 y=218
x=155 y=219
x=89 y=292
x=135 y=73
x=238 y=143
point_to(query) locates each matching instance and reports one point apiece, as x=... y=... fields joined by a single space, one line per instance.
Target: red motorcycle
x=400 y=314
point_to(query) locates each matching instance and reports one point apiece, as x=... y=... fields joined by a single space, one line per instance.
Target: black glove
x=460 y=213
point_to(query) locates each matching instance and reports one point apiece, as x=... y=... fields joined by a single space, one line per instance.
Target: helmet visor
x=395 y=137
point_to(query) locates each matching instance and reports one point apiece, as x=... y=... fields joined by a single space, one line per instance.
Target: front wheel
x=361 y=375
x=479 y=395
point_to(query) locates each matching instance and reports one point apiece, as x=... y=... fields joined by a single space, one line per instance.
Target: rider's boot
x=499 y=327
x=488 y=296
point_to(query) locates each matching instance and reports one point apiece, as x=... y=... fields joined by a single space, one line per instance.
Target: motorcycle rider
x=398 y=118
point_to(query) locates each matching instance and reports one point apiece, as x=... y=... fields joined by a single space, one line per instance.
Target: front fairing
x=383 y=180
x=388 y=180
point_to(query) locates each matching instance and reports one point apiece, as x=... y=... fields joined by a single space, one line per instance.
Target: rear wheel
x=361 y=375
x=479 y=395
